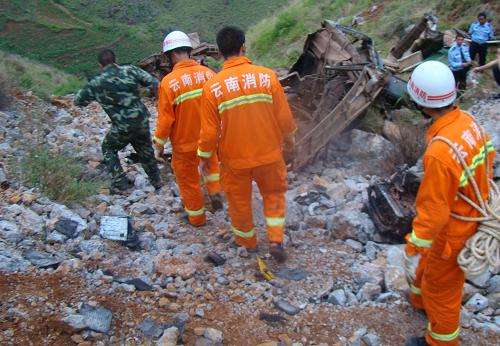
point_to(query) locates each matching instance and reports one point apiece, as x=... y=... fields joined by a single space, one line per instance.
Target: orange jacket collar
x=235 y=61
x=444 y=121
x=185 y=63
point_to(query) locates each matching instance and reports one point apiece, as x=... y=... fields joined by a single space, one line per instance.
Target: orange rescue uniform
x=245 y=116
x=436 y=234
x=179 y=100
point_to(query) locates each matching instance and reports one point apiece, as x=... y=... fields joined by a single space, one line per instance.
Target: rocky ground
x=63 y=284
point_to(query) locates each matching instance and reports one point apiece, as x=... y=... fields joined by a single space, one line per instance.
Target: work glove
x=412 y=256
x=159 y=149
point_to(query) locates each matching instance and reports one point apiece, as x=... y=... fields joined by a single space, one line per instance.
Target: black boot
x=416 y=341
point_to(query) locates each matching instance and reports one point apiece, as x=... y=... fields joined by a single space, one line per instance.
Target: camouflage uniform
x=117 y=90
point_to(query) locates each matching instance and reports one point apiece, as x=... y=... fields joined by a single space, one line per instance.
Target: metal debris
x=215 y=259
x=271 y=318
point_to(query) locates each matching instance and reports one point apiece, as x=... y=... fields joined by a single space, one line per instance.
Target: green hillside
x=277 y=41
x=68 y=33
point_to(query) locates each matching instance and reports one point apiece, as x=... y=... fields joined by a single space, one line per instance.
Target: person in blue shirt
x=480 y=31
x=459 y=61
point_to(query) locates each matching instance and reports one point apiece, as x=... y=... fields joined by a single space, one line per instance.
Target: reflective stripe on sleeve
x=246 y=99
x=443 y=337
x=159 y=140
x=275 y=221
x=477 y=160
x=211 y=178
x=415 y=290
x=204 y=154
x=419 y=242
x=188 y=96
x=195 y=212
x=242 y=234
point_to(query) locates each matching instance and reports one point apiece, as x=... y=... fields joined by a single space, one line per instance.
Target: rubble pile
x=64 y=283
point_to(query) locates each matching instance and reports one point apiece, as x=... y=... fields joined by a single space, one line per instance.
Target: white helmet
x=432 y=85
x=176 y=39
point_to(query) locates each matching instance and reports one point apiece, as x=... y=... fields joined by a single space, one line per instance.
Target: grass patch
x=44 y=81
x=58 y=176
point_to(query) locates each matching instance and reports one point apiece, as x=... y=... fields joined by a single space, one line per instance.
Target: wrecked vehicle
x=391 y=203
x=332 y=83
x=159 y=66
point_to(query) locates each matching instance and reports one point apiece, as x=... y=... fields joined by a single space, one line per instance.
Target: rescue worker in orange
x=179 y=99
x=437 y=237
x=247 y=120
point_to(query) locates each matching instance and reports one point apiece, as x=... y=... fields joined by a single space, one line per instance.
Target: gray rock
x=286 y=307
x=337 y=297
x=67 y=227
x=116 y=210
x=294 y=274
x=56 y=237
x=199 y=312
x=395 y=279
x=76 y=321
x=468 y=291
x=371 y=250
x=367 y=272
x=92 y=245
x=3 y=177
x=477 y=303
x=97 y=318
x=26 y=218
x=356 y=245
x=242 y=252
x=494 y=285
x=10 y=232
x=150 y=328
x=42 y=259
x=214 y=335
x=369 y=292
x=141 y=209
x=352 y=223
x=480 y=281
x=61 y=212
x=11 y=261
x=205 y=342
x=371 y=339
x=351 y=298
x=169 y=337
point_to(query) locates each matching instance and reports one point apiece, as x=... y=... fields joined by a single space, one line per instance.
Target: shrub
x=58 y=176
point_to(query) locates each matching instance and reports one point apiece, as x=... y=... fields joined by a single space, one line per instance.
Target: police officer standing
x=480 y=31
x=116 y=89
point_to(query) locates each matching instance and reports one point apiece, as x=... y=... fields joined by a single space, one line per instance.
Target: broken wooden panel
x=407 y=40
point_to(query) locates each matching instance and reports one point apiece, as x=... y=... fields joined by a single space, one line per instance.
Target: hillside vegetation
x=68 y=33
x=277 y=41
x=42 y=80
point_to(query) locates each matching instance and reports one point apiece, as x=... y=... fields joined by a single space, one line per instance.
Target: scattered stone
x=42 y=259
x=477 y=303
x=97 y=318
x=179 y=265
x=271 y=318
x=369 y=292
x=356 y=245
x=215 y=259
x=242 y=252
x=67 y=227
x=480 y=281
x=169 y=337
x=60 y=212
x=294 y=274
x=286 y=307
x=56 y=237
x=150 y=328
x=139 y=284
x=213 y=334
x=371 y=339
x=338 y=297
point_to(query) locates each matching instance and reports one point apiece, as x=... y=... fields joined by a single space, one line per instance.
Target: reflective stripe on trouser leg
x=185 y=167
x=212 y=178
x=237 y=185
x=434 y=338
x=271 y=180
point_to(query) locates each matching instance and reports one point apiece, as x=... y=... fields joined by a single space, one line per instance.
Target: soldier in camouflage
x=117 y=91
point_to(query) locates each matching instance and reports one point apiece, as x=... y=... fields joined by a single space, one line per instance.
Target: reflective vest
x=179 y=100
x=245 y=115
